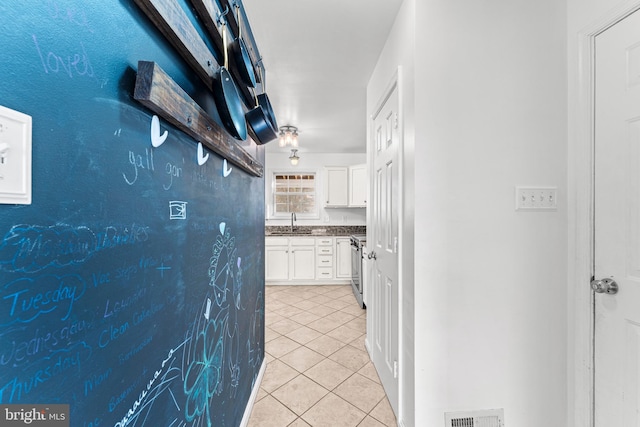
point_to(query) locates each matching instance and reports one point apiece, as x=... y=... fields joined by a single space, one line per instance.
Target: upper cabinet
x=336 y=190
x=346 y=186
x=358 y=186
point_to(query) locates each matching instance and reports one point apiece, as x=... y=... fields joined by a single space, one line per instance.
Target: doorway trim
x=581 y=215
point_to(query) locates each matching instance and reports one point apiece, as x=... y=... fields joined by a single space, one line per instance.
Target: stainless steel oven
x=358 y=241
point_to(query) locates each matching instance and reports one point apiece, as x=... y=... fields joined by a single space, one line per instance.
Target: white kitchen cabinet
x=346 y=186
x=343 y=258
x=276 y=263
x=290 y=259
x=303 y=259
x=336 y=186
x=358 y=186
x=324 y=249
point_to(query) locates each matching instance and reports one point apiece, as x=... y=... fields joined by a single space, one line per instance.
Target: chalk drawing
x=177 y=210
x=208 y=312
x=202 y=157
x=162 y=269
x=156 y=139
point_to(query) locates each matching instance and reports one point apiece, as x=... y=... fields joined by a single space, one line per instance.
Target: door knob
x=604 y=286
x=372 y=255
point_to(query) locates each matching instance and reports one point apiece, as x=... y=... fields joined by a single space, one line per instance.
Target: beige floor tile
x=285 y=326
x=320 y=299
x=353 y=309
x=305 y=305
x=280 y=346
x=268 y=412
x=370 y=422
x=322 y=310
x=300 y=394
x=303 y=335
x=328 y=374
x=358 y=323
x=359 y=343
x=305 y=366
x=383 y=413
x=270 y=334
x=289 y=310
x=342 y=317
x=262 y=393
x=299 y=423
x=302 y=359
x=270 y=317
x=338 y=304
x=325 y=345
x=305 y=318
x=361 y=392
x=350 y=357
x=277 y=374
x=332 y=411
x=370 y=372
x=324 y=324
x=344 y=334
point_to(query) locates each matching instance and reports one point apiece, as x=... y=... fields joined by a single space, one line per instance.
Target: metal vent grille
x=488 y=418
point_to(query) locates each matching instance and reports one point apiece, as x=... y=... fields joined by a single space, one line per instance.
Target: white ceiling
x=319 y=55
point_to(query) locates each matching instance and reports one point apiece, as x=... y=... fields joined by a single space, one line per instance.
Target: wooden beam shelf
x=162 y=95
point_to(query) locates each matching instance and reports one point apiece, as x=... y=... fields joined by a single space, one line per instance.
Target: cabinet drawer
x=325 y=250
x=302 y=241
x=324 y=273
x=325 y=261
x=325 y=241
x=276 y=241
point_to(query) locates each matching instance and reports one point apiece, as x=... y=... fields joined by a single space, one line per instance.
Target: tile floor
x=318 y=371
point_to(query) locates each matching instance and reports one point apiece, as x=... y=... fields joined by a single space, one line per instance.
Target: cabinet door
x=336 y=188
x=276 y=263
x=358 y=186
x=343 y=258
x=303 y=263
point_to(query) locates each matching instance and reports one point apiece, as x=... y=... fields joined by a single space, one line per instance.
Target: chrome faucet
x=293 y=218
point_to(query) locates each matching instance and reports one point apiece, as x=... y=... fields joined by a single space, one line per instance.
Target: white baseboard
x=254 y=395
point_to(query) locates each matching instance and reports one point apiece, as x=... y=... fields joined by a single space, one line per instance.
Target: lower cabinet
x=290 y=258
x=307 y=260
x=343 y=258
x=302 y=262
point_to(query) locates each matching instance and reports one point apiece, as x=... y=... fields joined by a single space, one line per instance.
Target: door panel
x=617 y=224
x=384 y=305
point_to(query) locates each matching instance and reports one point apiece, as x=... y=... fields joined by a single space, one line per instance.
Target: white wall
x=315 y=162
x=488 y=113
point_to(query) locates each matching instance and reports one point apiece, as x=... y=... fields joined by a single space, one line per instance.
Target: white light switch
x=15 y=157
x=536 y=198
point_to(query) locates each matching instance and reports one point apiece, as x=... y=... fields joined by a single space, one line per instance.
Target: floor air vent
x=488 y=418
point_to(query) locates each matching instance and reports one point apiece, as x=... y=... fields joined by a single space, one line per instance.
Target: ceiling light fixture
x=288 y=136
x=294 y=158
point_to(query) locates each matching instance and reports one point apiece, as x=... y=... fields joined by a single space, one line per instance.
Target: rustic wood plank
x=208 y=12
x=158 y=92
x=174 y=24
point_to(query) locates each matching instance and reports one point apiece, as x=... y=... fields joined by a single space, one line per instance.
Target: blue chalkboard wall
x=132 y=287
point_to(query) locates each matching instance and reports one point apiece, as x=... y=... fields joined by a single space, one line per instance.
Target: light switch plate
x=15 y=157
x=536 y=198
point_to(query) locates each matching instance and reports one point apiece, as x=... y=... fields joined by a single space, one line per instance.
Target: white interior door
x=382 y=243
x=617 y=224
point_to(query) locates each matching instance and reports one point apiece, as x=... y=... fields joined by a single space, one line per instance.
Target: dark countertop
x=315 y=230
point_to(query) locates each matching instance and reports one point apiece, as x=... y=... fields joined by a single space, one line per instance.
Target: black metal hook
x=222 y=15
